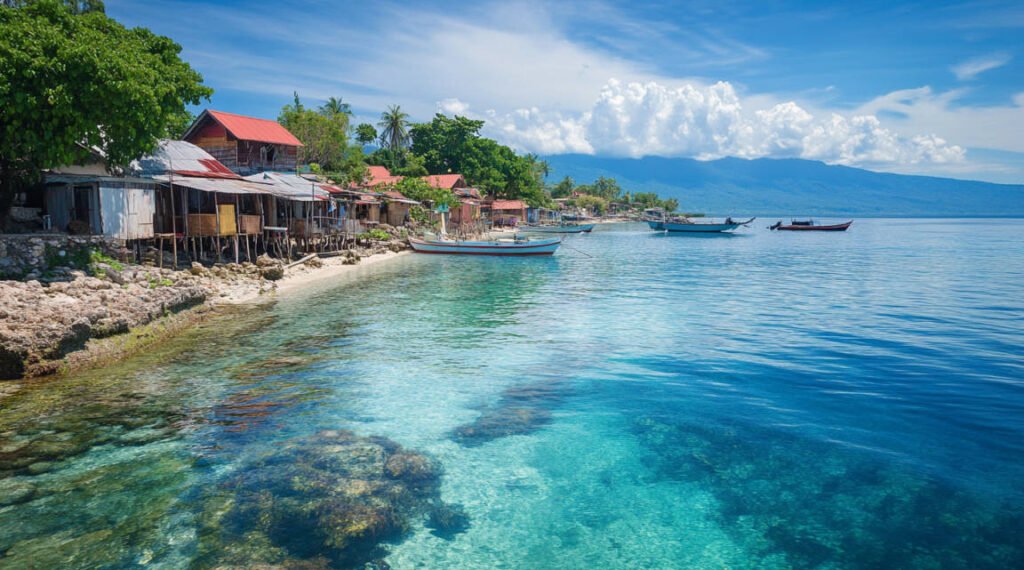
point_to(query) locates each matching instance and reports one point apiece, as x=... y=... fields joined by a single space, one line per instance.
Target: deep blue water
x=759 y=400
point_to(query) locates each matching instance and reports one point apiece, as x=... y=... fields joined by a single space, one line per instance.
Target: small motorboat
x=809 y=226
x=513 y=246
x=688 y=225
x=559 y=229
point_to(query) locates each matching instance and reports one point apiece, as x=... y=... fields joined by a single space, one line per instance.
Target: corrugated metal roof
x=253 y=129
x=446 y=181
x=183 y=158
x=290 y=186
x=221 y=185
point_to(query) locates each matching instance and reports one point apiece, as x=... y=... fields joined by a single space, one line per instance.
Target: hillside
x=793 y=187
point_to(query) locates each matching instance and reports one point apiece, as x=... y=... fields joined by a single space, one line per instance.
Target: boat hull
x=691 y=228
x=832 y=228
x=585 y=228
x=537 y=247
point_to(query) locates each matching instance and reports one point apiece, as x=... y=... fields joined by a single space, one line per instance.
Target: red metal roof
x=507 y=205
x=253 y=129
x=447 y=181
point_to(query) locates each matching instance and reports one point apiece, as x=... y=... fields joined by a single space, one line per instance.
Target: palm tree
x=334 y=107
x=394 y=129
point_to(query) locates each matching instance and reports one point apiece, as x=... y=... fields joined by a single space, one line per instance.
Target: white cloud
x=970 y=69
x=707 y=122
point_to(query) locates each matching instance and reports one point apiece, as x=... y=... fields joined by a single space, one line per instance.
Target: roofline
x=206 y=112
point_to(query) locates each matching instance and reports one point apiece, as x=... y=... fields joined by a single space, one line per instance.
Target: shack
x=245 y=145
x=505 y=212
x=93 y=199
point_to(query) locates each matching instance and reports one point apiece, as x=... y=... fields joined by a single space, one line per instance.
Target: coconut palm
x=394 y=129
x=334 y=107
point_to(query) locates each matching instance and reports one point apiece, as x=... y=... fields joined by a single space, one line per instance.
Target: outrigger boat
x=515 y=246
x=687 y=225
x=809 y=226
x=559 y=229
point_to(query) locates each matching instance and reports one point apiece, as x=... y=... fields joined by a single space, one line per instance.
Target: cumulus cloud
x=970 y=69
x=707 y=122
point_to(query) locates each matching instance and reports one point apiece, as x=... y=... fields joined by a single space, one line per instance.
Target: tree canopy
x=324 y=134
x=72 y=78
x=455 y=145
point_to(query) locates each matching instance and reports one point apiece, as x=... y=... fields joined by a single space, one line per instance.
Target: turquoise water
x=762 y=400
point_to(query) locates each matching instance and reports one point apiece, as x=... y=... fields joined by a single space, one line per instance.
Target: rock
x=446 y=521
x=266 y=261
x=272 y=273
x=314 y=262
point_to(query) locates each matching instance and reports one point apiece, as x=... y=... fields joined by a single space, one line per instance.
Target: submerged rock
x=332 y=498
x=446 y=521
x=520 y=410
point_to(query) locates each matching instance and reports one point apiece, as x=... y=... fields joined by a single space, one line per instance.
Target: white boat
x=515 y=246
x=559 y=229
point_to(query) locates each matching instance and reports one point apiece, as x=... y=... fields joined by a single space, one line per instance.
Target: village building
x=89 y=199
x=505 y=212
x=245 y=145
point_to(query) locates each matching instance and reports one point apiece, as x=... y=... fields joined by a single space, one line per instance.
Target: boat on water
x=809 y=226
x=687 y=225
x=512 y=246
x=559 y=229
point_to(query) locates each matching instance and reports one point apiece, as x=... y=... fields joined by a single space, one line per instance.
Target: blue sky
x=919 y=87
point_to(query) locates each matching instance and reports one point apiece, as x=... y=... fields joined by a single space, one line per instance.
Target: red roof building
x=245 y=145
x=446 y=181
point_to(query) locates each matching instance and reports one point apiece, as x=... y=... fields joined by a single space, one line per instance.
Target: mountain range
x=781 y=187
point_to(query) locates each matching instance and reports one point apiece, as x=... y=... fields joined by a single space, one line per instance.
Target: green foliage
x=366 y=134
x=564 y=188
x=455 y=145
x=375 y=234
x=324 y=133
x=418 y=189
x=413 y=166
x=596 y=204
x=71 y=78
x=394 y=130
x=606 y=188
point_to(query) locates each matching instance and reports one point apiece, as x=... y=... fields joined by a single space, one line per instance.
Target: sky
x=933 y=88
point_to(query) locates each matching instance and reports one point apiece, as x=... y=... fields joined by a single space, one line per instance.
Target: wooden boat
x=516 y=246
x=559 y=229
x=809 y=226
x=685 y=225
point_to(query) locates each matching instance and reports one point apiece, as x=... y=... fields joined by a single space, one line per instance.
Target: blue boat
x=515 y=246
x=687 y=226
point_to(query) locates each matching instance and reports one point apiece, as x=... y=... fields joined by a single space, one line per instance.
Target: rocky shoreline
x=72 y=318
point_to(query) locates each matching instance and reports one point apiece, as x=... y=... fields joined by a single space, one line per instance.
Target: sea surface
x=638 y=400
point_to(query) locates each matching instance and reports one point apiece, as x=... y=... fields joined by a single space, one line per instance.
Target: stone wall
x=31 y=256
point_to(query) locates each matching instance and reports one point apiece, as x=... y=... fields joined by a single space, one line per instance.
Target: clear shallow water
x=637 y=401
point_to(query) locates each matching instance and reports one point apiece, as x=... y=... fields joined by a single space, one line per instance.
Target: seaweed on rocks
x=520 y=410
x=806 y=504
x=332 y=499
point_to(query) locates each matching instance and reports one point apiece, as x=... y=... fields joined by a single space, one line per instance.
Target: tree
x=564 y=188
x=334 y=107
x=455 y=145
x=366 y=134
x=419 y=190
x=594 y=203
x=325 y=140
x=72 y=78
x=394 y=129
x=670 y=205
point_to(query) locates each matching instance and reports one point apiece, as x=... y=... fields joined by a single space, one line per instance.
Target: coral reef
x=805 y=504
x=327 y=500
x=520 y=410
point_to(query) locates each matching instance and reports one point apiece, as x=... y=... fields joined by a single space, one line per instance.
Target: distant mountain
x=793 y=187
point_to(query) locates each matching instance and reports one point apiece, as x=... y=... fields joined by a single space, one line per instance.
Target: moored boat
x=685 y=225
x=809 y=226
x=559 y=229
x=516 y=246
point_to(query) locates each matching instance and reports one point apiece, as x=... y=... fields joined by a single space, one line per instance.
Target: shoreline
x=223 y=291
